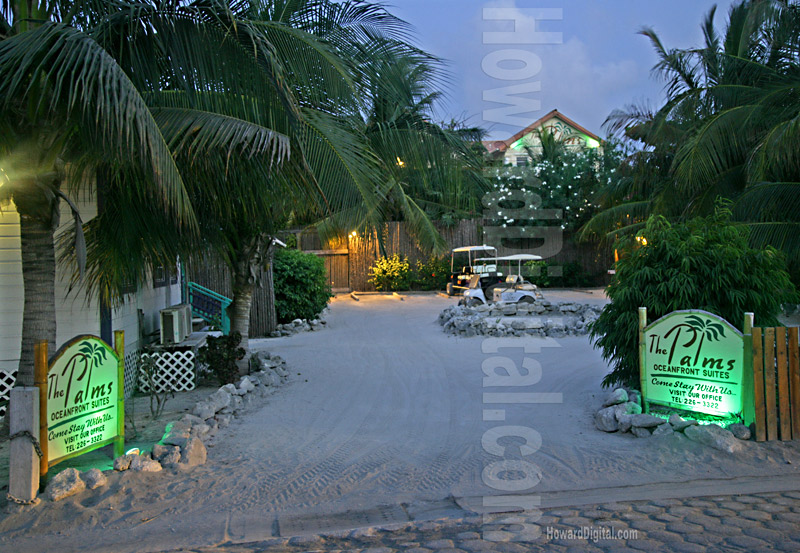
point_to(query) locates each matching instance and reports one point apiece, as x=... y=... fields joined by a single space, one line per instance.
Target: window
x=522 y=161
x=162 y=277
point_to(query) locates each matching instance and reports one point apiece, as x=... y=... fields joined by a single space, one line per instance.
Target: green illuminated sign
x=84 y=398
x=693 y=360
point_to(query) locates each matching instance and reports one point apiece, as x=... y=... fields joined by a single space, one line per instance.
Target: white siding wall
x=150 y=300
x=73 y=314
x=11 y=290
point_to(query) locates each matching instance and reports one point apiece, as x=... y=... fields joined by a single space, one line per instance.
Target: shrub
x=301 y=285
x=706 y=264
x=552 y=274
x=432 y=274
x=221 y=355
x=390 y=273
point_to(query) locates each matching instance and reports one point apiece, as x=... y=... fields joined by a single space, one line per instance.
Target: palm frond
x=86 y=85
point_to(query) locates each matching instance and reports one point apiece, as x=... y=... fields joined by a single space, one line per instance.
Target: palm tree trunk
x=38 y=277
x=239 y=311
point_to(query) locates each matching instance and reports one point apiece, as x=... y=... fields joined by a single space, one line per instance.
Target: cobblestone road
x=751 y=523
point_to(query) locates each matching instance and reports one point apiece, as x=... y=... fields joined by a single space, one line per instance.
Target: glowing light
x=642 y=240
x=400 y=162
x=592 y=143
x=353 y=234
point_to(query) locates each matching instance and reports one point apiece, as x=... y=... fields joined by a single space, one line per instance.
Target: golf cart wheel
x=449 y=289
x=474 y=302
x=489 y=292
x=525 y=299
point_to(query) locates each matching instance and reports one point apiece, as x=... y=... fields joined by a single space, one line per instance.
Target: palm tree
x=728 y=129
x=263 y=132
x=429 y=169
x=66 y=103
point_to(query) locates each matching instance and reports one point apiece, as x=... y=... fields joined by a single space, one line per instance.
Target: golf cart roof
x=520 y=257
x=474 y=248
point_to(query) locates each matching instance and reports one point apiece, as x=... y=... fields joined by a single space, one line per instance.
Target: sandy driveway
x=387 y=410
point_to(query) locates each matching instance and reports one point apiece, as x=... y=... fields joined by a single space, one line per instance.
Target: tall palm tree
x=263 y=131
x=430 y=169
x=727 y=129
x=66 y=103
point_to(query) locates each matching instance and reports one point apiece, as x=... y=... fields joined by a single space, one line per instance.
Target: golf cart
x=514 y=289
x=466 y=262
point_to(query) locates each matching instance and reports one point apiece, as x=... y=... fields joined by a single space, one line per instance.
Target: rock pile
x=183 y=444
x=622 y=412
x=300 y=325
x=539 y=318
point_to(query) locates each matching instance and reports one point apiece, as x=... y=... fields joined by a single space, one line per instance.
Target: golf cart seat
x=513 y=279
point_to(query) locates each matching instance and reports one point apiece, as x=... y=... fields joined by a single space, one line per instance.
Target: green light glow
x=592 y=143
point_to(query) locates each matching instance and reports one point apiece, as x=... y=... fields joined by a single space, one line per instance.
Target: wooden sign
x=693 y=360
x=83 y=407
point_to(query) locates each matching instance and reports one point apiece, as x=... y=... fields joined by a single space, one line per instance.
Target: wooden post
x=40 y=369
x=784 y=413
x=758 y=385
x=794 y=379
x=642 y=345
x=119 y=347
x=748 y=399
x=23 y=463
x=770 y=396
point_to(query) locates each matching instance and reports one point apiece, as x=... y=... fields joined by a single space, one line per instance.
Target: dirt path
x=384 y=422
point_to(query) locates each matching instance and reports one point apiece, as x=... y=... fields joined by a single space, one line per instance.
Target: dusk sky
x=601 y=63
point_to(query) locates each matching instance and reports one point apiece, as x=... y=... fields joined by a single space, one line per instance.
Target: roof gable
x=554 y=119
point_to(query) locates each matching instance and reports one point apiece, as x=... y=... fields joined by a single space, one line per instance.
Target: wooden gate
x=776 y=383
x=337 y=267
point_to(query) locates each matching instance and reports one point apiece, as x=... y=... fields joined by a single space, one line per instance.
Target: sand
x=384 y=410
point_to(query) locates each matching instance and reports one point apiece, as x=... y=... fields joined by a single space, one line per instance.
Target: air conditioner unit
x=176 y=323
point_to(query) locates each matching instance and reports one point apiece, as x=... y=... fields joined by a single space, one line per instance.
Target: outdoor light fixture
x=400 y=162
x=642 y=240
x=353 y=234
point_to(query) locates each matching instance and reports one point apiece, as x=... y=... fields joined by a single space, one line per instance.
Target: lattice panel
x=175 y=372
x=6 y=383
x=131 y=372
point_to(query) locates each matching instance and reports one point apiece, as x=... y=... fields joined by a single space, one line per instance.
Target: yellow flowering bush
x=390 y=273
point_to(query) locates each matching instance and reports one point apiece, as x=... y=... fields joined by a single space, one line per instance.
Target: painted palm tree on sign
x=699 y=327
x=94 y=354
x=705 y=328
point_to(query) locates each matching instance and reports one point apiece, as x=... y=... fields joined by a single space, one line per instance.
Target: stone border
x=300 y=325
x=622 y=412
x=183 y=444
x=540 y=318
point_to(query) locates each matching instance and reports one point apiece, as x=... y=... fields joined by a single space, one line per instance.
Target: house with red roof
x=516 y=150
